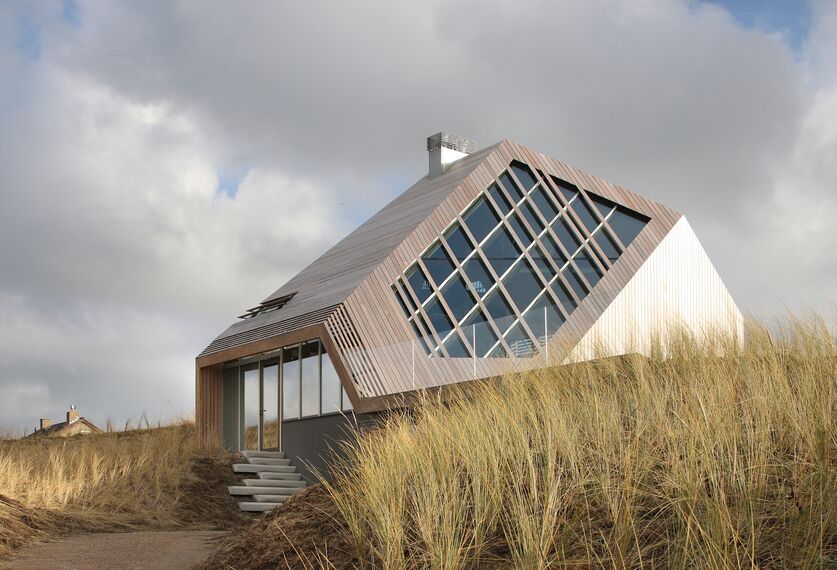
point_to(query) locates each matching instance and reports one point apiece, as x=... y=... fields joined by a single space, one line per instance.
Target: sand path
x=157 y=550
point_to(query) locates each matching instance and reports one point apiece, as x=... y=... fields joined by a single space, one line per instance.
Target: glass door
x=270 y=407
x=251 y=411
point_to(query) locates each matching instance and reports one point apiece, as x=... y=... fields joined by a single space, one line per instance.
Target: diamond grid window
x=536 y=297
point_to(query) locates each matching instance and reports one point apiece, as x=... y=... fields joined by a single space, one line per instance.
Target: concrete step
x=268 y=461
x=293 y=483
x=245 y=490
x=280 y=476
x=269 y=454
x=250 y=468
x=270 y=498
x=257 y=507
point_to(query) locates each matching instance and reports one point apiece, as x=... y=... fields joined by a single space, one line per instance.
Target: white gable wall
x=676 y=286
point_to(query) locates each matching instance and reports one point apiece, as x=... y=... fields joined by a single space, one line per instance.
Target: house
x=497 y=258
x=74 y=425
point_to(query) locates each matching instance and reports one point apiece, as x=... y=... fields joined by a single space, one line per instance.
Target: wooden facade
x=345 y=297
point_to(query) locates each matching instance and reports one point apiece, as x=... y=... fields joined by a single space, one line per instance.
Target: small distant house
x=75 y=425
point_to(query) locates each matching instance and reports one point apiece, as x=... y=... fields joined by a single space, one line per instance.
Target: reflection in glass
x=521 y=231
x=331 y=386
x=522 y=285
x=566 y=235
x=572 y=278
x=564 y=296
x=542 y=262
x=544 y=318
x=251 y=409
x=438 y=318
x=499 y=309
x=459 y=243
x=568 y=191
x=311 y=378
x=511 y=187
x=478 y=332
x=500 y=251
x=290 y=383
x=627 y=224
x=553 y=250
x=438 y=263
x=478 y=275
x=531 y=217
x=480 y=219
x=458 y=297
x=544 y=203
x=500 y=199
x=585 y=214
x=455 y=347
x=270 y=393
x=519 y=342
x=587 y=266
x=524 y=175
x=603 y=205
x=607 y=245
x=418 y=281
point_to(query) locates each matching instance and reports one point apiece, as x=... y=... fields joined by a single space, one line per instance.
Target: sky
x=166 y=165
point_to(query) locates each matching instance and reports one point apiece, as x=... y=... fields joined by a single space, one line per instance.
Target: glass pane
x=603 y=205
x=271 y=406
x=511 y=187
x=498 y=352
x=572 y=278
x=251 y=409
x=499 y=310
x=585 y=214
x=524 y=175
x=542 y=262
x=566 y=235
x=544 y=203
x=481 y=219
x=404 y=308
x=290 y=383
x=458 y=298
x=410 y=303
x=419 y=283
x=500 y=251
x=438 y=318
x=478 y=275
x=522 y=285
x=544 y=316
x=438 y=263
x=479 y=332
x=331 y=386
x=455 y=347
x=500 y=199
x=347 y=403
x=311 y=379
x=553 y=250
x=459 y=243
x=531 y=217
x=521 y=231
x=426 y=343
x=568 y=191
x=626 y=224
x=588 y=267
x=520 y=344
x=607 y=244
x=564 y=296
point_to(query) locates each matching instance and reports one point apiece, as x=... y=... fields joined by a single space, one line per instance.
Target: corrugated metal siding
x=676 y=286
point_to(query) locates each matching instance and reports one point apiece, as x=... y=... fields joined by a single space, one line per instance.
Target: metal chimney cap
x=448 y=140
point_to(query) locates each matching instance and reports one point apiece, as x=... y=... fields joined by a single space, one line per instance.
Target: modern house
x=74 y=425
x=498 y=258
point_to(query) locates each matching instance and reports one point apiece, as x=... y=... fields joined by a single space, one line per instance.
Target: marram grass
x=692 y=460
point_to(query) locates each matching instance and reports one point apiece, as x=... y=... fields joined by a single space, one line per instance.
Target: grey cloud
x=111 y=152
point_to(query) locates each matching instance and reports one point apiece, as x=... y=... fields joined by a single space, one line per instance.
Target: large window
x=547 y=241
x=310 y=378
x=290 y=383
x=310 y=385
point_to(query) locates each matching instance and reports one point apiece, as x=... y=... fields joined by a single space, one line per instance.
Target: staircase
x=274 y=480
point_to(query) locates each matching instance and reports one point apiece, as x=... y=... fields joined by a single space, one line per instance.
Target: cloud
x=164 y=166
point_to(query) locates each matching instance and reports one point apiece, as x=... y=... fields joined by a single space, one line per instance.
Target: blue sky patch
x=792 y=18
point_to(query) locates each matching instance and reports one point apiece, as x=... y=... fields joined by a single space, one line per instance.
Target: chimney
x=444 y=148
x=45 y=423
x=72 y=415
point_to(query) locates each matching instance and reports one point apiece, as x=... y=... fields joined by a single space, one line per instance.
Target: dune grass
x=688 y=460
x=147 y=478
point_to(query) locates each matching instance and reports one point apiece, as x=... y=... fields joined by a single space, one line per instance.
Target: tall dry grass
x=162 y=477
x=687 y=460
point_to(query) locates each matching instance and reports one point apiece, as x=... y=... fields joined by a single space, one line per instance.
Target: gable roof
x=56 y=428
x=349 y=290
